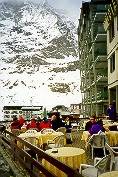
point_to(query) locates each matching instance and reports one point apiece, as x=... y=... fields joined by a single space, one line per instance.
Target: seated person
x=96 y=128
x=56 y=122
x=68 y=125
x=91 y=122
x=32 y=123
x=113 y=128
x=44 y=124
x=100 y=122
x=21 y=120
x=15 y=124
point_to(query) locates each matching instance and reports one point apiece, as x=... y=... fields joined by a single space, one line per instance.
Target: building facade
x=111 y=26
x=92 y=40
x=27 y=111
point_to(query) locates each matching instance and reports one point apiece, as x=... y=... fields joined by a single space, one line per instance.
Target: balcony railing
x=102 y=96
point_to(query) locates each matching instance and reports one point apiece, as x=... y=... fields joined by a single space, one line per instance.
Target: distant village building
x=111 y=26
x=75 y=108
x=26 y=111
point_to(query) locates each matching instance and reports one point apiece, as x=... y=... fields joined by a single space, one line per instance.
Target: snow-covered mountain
x=38 y=55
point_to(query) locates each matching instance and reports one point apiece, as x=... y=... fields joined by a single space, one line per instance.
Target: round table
x=112 y=137
x=70 y=156
x=109 y=174
x=42 y=138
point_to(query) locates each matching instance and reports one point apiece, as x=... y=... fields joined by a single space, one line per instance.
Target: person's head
x=33 y=119
x=45 y=119
x=33 y=116
x=38 y=119
x=67 y=118
x=15 y=118
x=93 y=118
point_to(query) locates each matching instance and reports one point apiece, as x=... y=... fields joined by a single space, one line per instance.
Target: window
x=6 y=116
x=6 y=112
x=112 y=63
x=100 y=7
x=14 y=112
x=111 y=31
x=20 y=112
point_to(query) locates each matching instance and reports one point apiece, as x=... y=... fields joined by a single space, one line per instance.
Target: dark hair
x=2 y=128
x=15 y=117
x=45 y=118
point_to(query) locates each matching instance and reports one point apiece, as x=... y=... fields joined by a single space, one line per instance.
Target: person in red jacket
x=15 y=124
x=45 y=123
x=32 y=123
x=21 y=120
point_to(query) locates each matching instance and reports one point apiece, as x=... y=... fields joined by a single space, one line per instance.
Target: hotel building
x=111 y=26
x=92 y=40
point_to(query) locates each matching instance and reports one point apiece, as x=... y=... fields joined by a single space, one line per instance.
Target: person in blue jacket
x=111 y=111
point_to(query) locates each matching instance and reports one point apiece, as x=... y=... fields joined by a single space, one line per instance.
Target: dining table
x=108 y=125
x=42 y=138
x=112 y=138
x=109 y=174
x=70 y=156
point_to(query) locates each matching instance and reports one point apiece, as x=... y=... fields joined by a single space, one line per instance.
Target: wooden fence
x=34 y=167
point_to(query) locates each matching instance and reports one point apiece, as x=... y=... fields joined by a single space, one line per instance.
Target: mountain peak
x=37 y=47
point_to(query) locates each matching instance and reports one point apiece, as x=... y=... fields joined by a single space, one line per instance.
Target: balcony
x=102 y=78
x=98 y=28
x=102 y=96
x=100 y=8
x=101 y=61
x=99 y=17
x=100 y=38
x=100 y=50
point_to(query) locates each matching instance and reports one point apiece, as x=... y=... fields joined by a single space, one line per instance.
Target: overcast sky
x=72 y=7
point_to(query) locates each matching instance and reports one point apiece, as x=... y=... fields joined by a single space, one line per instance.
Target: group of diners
x=54 y=122
x=93 y=126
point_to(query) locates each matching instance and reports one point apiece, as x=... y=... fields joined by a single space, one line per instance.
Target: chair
x=16 y=132
x=31 y=131
x=62 y=129
x=97 y=141
x=81 y=126
x=58 y=141
x=32 y=141
x=94 y=170
x=114 y=157
x=47 y=130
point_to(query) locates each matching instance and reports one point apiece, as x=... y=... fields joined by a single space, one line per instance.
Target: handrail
x=17 y=152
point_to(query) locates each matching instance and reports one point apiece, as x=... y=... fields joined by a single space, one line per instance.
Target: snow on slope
x=38 y=57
